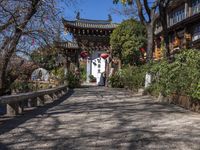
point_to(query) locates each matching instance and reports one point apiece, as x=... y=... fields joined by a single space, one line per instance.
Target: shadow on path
x=14 y=122
x=102 y=118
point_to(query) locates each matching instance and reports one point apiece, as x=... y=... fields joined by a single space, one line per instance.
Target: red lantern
x=142 y=50
x=84 y=54
x=104 y=55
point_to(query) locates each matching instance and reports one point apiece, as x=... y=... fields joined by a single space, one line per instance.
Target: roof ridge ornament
x=78 y=15
x=109 y=18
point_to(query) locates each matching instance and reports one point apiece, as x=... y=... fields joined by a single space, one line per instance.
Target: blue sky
x=93 y=9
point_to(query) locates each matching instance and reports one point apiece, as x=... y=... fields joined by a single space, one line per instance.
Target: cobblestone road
x=100 y=118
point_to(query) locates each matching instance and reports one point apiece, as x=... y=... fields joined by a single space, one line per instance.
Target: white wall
x=98 y=66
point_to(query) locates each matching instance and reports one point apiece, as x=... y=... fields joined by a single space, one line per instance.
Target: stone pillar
x=32 y=102
x=65 y=67
x=53 y=96
x=89 y=68
x=14 y=109
x=106 y=71
x=21 y=107
x=40 y=101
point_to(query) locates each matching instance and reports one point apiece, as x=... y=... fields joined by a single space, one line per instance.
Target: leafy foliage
x=127 y=39
x=116 y=81
x=59 y=73
x=73 y=80
x=20 y=86
x=181 y=76
x=83 y=71
x=129 y=77
x=92 y=78
x=45 y=57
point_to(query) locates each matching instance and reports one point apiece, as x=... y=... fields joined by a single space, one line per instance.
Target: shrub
x=59 y=73
x=73 y=80
x=20 y=86
x=134 y=77
x=130 y=77
x=181 y=76
x=116 y=80
x=83 y=72
x=92 y=78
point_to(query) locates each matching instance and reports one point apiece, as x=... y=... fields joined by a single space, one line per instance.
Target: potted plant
x=92 y=78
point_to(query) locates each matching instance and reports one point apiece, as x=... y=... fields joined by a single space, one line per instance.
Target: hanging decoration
x=84 y=54
x=142 y=50
x=104 y=55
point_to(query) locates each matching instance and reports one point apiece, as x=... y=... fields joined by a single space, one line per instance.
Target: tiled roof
x=92 y=24
x=69 y=45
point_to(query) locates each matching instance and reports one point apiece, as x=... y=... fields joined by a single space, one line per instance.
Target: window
x=195 y=6
x=177 y=16
x=196 y=33
x=99 y=60
x=99 y=65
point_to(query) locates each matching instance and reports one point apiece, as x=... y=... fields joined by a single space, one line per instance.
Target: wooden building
x=183 y=21
x=70 y=52
x=93 y=37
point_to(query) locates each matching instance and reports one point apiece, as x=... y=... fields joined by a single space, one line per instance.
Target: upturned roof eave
x=89 y=25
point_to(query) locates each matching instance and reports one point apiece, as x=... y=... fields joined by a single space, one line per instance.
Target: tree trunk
x=163 y=19
x=150 y=36
x=166 y=40
x=10 y=48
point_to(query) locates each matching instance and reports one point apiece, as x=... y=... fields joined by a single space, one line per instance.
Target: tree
x=18 y=68
x=126 y=41
x=163 y=5
x=45 y=57
x=25 y=25
x=148 y=14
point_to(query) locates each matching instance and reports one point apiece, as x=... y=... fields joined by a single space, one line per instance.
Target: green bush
x=73 y=80
x=116 y=81
x=182 y=76
x=132 y=77
x=83 y=72
x=92 y=78
x=59 y=73
x=22 y=86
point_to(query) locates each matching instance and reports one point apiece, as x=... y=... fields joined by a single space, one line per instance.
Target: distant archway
x=40 y=74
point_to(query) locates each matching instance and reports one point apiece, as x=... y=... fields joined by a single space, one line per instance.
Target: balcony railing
x=181 y=14
x=195 y=7
x=177 y=17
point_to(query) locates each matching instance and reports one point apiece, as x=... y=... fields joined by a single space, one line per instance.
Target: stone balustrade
x=17 y=103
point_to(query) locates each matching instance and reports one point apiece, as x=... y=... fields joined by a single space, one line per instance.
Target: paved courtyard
x=106 y=119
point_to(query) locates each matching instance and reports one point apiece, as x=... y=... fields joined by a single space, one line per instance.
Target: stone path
x=100 y=118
